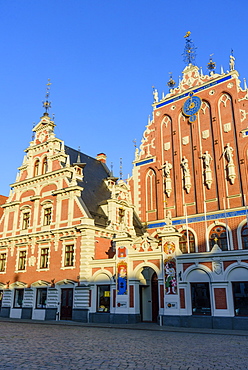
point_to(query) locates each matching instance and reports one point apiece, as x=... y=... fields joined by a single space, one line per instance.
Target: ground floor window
x=200 y=299
x=103 y=298
x=18 y=298
x=240 y=298
x=41 y=297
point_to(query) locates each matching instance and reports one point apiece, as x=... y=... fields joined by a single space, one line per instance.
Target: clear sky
x=103 y=57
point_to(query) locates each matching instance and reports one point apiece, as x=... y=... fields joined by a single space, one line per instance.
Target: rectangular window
x=22 y=260
x=44 y=258
x=103 y=298
x=200 y=299
x=240 y=298
x=26 y=220
x=18 y=298
x=41 y=297
x=47 y=216
x=2 y=262
x=69 y=255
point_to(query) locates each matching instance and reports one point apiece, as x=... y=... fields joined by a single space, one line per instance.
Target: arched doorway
x=148 y=294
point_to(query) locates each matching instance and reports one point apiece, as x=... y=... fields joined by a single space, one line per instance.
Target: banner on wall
x=121 y=271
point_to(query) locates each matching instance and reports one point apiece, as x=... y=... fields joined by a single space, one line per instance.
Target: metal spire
x=120 y=168
x=47 y=104
x=189 y=53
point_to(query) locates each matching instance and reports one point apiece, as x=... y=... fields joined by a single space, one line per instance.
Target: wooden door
x=154 y=297
x=66 y=303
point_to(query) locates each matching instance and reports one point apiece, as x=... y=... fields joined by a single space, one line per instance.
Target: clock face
x=191 y=106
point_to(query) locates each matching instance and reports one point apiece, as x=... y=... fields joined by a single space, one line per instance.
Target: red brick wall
x=182 y=298
x=220 y=298
x=131 y=296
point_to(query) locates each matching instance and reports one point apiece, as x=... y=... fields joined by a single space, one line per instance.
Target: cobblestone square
x=44 y=346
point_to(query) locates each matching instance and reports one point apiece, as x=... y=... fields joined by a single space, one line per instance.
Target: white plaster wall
x=15 y=313
x=38 y=314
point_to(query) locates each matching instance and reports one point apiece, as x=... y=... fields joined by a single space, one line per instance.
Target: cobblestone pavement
x=42 y=346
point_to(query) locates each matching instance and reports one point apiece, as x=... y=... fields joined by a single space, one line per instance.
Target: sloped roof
x=95 y=191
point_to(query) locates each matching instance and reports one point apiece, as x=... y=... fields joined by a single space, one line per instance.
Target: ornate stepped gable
x=176 y=154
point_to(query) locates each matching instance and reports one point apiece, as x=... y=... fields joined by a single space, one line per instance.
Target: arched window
x=244 y=236
x=44 y=166
x=151 y=195
x=183 y=242
x=36 y=167
x=218 y=236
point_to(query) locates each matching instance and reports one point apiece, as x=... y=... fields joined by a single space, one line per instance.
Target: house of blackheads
x=170 y=245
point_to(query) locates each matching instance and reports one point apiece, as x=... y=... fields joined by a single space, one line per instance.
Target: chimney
x=101 y=157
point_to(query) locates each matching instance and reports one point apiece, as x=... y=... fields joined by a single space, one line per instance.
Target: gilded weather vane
x=47 y=104
x=171 y=83
x=211 y=65
x=189 y=53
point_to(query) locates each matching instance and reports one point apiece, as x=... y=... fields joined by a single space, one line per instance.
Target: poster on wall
x=170 y=276
x=122 y=278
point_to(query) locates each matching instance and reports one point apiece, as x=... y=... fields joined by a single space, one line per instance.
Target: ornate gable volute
x=119 y=208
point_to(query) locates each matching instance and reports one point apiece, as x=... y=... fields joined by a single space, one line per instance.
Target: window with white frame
x=22 y=259
x=103 y=298
x=187 y=241
x=18 y=298
x=69 y=255
x=244 y=236
x=41 y=298
x=44 y=166
x=44 y=256
x=36 y=167
x=218 y=235
x=3 y=256
x=47 y=216
x=25 y=220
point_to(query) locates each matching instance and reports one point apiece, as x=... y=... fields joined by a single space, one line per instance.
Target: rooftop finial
x=211 y=65
x=231 y=61
x=78 y=157
x=47 y=104
x=189 y=53
x=171 y=83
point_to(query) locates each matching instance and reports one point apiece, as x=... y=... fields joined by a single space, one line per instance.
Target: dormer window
x=44 y=166
x=36 y=167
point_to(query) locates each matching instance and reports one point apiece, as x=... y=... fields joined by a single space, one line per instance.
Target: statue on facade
x=231 y=63
x=207 y=169
x=155 y=95
x=170 y=277
x=228 y=153
x=186 y=174
x=167 y=182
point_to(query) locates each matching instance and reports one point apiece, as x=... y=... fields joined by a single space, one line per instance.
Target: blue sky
x=102 y=57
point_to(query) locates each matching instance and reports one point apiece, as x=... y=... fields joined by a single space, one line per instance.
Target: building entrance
x=148 y=295
x=66 y=303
